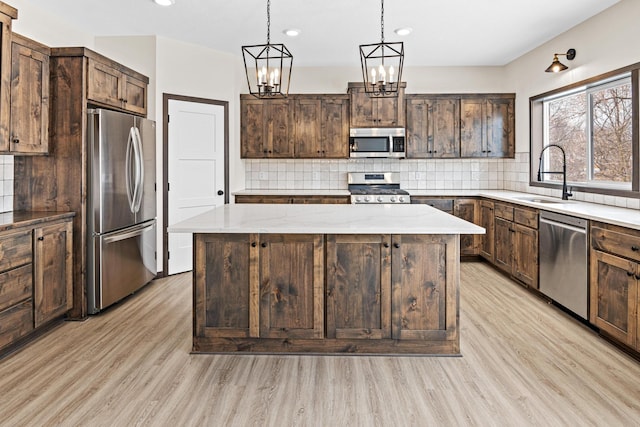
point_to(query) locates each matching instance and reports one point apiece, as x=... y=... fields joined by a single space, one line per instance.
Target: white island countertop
x=326 y=219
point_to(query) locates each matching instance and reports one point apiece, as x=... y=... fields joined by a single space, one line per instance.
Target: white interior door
x=195 y=171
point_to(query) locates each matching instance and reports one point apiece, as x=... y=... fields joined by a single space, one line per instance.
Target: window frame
x=537 y=131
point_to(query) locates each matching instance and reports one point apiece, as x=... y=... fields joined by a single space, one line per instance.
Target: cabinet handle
x=637 y=277
x=16 y=140
x=41 y=238
x=254 y=244
x=263 y=244
x=396 y=245
x=385 y=244
x=635 y=248
x=630 y=273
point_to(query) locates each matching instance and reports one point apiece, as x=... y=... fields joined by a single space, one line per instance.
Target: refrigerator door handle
x=139 y=189
x=130 y=191
x=133 y=232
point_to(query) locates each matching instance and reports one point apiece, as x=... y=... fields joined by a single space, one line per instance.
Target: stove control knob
x=367 y=199
x=401 y=199
x=379 y=199
x=393 y=199
x=358 y=199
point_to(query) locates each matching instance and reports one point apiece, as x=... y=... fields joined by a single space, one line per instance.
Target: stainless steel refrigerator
x=121 y=218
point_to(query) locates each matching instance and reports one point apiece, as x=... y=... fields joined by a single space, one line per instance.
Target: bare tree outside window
x=612 y=144
x=568 y=129
x=594 y=126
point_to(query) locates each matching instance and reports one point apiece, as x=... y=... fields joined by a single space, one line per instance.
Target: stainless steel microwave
x=377 y=142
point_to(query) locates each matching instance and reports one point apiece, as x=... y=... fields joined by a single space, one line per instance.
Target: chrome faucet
x=565 y=193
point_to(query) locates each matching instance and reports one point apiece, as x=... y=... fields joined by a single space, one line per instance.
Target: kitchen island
x=376 y=279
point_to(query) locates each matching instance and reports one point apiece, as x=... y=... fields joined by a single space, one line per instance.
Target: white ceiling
x=446 y=32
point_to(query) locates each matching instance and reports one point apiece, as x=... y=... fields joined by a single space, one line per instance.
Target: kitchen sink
x=540 y=200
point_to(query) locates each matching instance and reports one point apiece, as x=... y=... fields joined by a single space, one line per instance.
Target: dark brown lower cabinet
x=293 y=199
x=503 y=250
x=291 y=286
x=36 y=275
x=250 y=285
x=424 y=297
x=515 y=234
x=226 y=286
x=359 y=286
x=467 y=209
x=53 y=271
x=614 y=296
x=487 y=222
x=384 y=293
x=615 y=282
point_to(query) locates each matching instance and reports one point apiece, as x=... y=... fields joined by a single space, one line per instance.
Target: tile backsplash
x=458 y=174
x=6 y=183
x=423 y=174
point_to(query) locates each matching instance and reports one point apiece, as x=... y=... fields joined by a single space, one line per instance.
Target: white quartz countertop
x=326 y=219
x=623 y=217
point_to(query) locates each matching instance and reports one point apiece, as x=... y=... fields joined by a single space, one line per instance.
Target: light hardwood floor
x=524 y=363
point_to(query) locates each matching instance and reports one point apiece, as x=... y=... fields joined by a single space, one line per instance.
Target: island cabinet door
x=425 y=280
x=359 y=286
x=225 y=285
x=292 y=286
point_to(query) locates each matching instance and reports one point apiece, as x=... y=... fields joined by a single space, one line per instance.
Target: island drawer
x=15 y=286
x=15 y=250
x=16 y=322
x=616 y=240
x=503 y=211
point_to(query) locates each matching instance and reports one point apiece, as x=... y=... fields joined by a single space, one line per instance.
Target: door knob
x=220 y=192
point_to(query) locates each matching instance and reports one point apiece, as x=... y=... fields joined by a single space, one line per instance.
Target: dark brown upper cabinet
x=433 y=127
x=7 y=14
x=371 y=111
x=29 y=97
x=487 y=127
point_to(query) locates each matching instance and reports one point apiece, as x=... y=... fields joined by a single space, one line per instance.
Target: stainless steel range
x=376 y=187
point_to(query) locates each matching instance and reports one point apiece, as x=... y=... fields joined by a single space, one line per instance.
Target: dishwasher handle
x=563 y=225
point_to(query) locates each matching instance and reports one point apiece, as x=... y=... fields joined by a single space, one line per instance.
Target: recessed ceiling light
x=292 y=32
x=403 y=31
x=164 y=2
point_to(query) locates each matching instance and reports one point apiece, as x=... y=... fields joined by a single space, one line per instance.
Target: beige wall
x=34 y=23
x=603 y=43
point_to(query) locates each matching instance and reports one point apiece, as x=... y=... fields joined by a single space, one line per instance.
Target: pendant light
x=382 y=64
x=268 y=66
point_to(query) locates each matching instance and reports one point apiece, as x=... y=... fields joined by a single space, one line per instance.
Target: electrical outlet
x=264 y=176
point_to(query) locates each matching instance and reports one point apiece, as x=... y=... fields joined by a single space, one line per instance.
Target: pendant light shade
x=268 y=66
x=382 y=64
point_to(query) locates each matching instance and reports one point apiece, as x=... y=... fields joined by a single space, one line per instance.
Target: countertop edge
x=18 y=219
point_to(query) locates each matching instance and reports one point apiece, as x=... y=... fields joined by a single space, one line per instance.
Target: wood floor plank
x=523 y=363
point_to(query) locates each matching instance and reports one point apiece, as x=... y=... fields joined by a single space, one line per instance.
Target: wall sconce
x=557 y=66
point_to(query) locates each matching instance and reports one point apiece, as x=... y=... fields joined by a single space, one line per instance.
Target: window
x=594 y=124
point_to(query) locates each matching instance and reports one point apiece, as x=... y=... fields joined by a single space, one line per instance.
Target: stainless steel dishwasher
x=563 y=260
